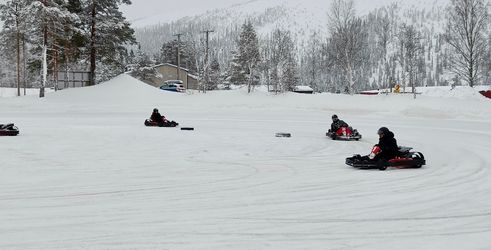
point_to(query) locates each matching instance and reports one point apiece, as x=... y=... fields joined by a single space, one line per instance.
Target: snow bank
x=460 y=92
x=126 y=93
x=11 y=92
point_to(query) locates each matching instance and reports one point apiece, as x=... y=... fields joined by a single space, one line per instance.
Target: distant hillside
x=303 y=19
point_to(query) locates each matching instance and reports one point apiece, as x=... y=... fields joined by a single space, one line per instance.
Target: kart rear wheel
x=418 y=157
x=381 y=165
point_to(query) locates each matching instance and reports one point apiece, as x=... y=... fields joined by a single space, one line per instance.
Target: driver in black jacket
x=158 y=118
x=337 y=124
x=388 y=145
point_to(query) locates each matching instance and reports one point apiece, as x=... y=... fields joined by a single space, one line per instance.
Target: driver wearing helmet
x=157 y=117
x=387 y=144
x=337 y=124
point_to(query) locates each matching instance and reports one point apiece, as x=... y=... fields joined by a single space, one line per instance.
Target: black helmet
x=335 y=117
x=383 y=130
x=155 y=110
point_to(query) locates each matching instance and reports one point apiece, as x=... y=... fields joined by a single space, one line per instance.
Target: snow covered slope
x=144 y=13
x=86 y=174
x=307 y=22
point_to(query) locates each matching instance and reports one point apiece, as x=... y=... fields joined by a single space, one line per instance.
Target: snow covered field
x=86 y=174
x=11 y=92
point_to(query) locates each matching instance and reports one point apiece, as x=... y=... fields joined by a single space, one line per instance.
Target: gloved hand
x=371 y=156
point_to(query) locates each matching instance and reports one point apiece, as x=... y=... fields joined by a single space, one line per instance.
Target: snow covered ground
x=11 y=92
x=86 y=174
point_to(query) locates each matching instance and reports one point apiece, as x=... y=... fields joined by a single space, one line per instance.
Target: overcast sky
x=168 y=10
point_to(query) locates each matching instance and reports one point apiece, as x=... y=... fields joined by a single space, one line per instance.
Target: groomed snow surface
x=86 y=174
x=11 y=92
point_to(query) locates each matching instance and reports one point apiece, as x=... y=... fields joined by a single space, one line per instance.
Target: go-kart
x=166 y=123
x=405 y=159
x=344 y=134
x=8 y=130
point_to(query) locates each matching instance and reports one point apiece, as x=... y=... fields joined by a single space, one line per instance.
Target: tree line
x=43 y=37
x=384 y=48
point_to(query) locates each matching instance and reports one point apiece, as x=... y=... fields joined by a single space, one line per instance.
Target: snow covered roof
x=193 y=76
x=170 y=65
x=303 y=88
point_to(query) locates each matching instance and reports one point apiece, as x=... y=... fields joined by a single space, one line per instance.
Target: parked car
x=173 y=86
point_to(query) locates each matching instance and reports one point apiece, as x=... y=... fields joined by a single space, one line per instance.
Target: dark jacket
x=388 y=145
x=156 y=117
x=335 y=126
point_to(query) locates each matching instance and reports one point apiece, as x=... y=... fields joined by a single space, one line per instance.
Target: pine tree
x=131 y=57
x=74 y=47
x=247 y=60
x=215 y=74
x=109 y=32
x=289 y=76
x=238 y=73
x=144 y=70
x=47 y=22
x=168 y=54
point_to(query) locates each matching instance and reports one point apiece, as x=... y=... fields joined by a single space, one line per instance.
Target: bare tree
x=313 y=61
x=383 y=30
x=13 y=14
x=410 y=40
x=341 y=14
x=348 y=39
x=282 y=61
x=467 y=24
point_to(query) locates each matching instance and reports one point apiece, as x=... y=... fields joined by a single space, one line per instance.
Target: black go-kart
x=406 y=159
x=8 y=130
x=166 y=123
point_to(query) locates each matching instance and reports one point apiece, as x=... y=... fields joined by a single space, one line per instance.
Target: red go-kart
x=405 y=159
x=344 y=134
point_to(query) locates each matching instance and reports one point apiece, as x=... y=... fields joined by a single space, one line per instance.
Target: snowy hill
x=141 y=15
x=86 y=173
x=300 y=17
x=306 y=22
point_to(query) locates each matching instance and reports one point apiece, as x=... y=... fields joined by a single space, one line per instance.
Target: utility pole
x=207 y=75
x=179 y=57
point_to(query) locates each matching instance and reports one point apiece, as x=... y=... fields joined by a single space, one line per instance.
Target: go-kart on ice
x=167 y=124
x=8 y=130
x=344 y=134
x=405 y=159
x=158 y=120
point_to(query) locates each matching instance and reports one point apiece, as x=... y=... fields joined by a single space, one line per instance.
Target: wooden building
x=169 y=71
